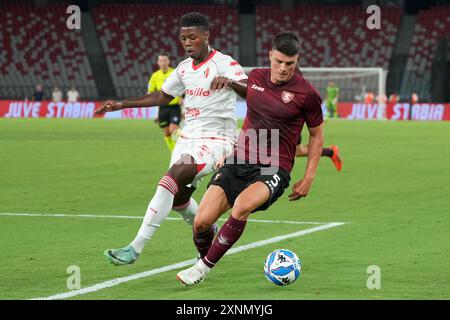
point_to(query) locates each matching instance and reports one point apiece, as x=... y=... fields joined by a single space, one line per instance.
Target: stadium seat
x=37 y=48
x=135 y=35
x=431 y=26
x=331 y=36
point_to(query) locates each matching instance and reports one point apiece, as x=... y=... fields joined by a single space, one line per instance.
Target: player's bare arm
x=240 y=87
x=157 y=98
x=301 y=188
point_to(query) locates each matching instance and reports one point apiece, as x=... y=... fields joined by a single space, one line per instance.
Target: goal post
x=353 y=83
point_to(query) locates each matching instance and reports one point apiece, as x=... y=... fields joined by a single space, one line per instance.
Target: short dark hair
x=194 y=19
x=164 y=55
x=287 y=43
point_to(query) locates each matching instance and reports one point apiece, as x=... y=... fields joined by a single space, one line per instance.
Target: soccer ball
x=282 y=267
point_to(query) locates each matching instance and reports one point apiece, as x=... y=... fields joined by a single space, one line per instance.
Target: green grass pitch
x=393 y=195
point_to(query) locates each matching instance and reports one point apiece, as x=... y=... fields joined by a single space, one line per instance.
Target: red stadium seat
x=136 y=34
x=349 y=38
x=431 y=26
x=38 y=49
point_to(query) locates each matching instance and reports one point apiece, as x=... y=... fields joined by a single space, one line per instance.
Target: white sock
x=157 y=210
x=188 y=211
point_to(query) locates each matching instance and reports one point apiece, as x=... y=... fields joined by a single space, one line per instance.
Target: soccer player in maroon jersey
x=279 y=102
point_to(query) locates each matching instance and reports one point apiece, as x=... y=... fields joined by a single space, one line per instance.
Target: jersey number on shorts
x=275 y=180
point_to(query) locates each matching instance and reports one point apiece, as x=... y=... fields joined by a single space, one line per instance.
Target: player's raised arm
x=158 y=98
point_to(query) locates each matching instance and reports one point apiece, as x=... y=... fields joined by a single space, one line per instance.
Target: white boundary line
x=62 y=215
x=149 y=273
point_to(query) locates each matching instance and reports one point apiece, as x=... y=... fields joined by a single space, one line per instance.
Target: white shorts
x=206 y=153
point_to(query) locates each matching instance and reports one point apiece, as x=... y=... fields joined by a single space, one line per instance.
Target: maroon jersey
x=276 y=110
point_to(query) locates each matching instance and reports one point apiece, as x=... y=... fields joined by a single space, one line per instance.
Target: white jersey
x=72 y=96
x=207 y=114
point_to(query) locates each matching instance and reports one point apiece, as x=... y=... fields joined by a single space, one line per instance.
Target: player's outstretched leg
x=331 y=152
x=301 y=150
x=157 y=210
x=121 y=256
x=251 y=198
x=214 y=203
x=181 y=173
x=187 y=208
x=335 y=158
x=185 y=205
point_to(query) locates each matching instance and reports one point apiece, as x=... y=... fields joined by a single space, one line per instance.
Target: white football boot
x=195 y=274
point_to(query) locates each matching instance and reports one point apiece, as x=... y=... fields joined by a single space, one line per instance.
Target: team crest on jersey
x=206 y=72
x=287 y=96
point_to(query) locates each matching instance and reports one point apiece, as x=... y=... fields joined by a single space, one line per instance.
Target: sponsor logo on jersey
x=239 y=73
x=193 y=112
x=206 y=72
x=198 y=92
x=287 y=96
x=234 y=63
x=257 y=88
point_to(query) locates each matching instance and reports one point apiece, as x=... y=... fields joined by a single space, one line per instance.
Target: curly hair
x=194 y=19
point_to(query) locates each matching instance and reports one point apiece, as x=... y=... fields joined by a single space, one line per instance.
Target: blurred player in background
x=332 y=96
x=369 y=97
x=38 y=93
x=381 y=99
x=414 y=98
x=73 y=95
x=208 y=132
x=394 y=98
x=277 y=98
x=57 y=95
x=169 y=116
x=331 y=152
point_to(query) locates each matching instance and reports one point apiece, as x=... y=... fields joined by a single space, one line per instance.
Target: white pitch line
x=62 y=215
x=149 y=273
x=281 y=221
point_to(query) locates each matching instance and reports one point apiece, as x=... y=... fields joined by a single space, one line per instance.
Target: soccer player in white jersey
x=207 y=136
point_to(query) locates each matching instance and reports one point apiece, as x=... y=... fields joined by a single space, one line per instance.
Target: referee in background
x=169 y=116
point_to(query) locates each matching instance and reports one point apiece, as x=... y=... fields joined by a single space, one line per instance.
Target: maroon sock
x=230 y=232
x=327 y=152
x=203 y=241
